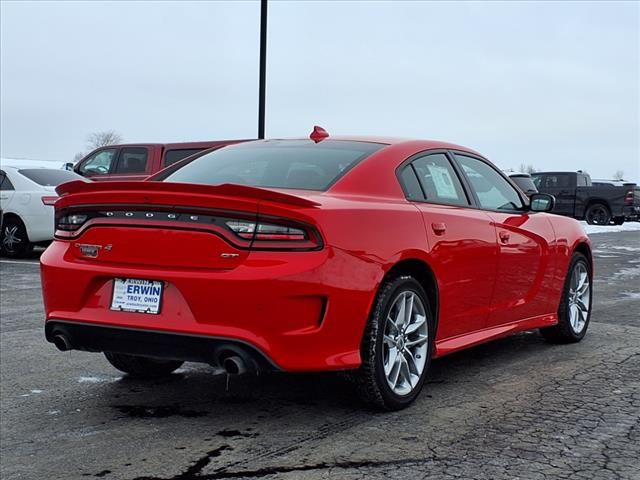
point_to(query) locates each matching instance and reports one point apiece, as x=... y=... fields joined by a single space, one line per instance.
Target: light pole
x=263 y=68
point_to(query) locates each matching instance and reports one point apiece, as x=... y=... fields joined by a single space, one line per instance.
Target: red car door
x=462 y=244
x=525 y=242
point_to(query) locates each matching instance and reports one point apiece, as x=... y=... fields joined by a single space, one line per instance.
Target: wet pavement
x=514 y=408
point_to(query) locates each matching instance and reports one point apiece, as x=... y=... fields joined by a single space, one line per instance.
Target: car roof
x=422 y=144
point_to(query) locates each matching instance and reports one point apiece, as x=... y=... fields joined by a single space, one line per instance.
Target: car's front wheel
x=14 y=240
x=574 y=312
x=397 y=345
x=142 y=367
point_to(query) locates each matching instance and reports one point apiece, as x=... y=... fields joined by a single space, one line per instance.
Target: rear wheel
x=142 y=367
x=574 y=312
x=14 y=240
x=397 y=345
x=598 y=214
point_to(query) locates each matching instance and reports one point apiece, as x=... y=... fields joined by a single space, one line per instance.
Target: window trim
x=425 y=153
x=478 y=205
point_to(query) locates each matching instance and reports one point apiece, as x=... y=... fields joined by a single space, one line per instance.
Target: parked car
x=577 y=197
x=26 y=201
x=136 y=161
x=524 y=182
x=284 y=255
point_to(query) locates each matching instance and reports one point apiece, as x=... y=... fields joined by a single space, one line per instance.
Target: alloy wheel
x=579 y=297
x=405 y=343
x=11 y=238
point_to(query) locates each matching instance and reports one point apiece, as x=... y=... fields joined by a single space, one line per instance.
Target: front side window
x=494 y=192
x=132 y=160
x=439 y=180
x=99 y=163
x=551 y=180
x=296 y=164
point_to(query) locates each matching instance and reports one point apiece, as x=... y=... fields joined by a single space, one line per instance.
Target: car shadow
x=198 y=390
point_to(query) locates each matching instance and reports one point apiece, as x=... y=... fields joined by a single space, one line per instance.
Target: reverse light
x=71 y=222
x=265 y=231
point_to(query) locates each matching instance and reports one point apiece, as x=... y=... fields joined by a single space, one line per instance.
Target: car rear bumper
x=166 y=345
x=303 y=311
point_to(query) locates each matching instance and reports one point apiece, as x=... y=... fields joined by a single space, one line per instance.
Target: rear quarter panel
x=569 y=236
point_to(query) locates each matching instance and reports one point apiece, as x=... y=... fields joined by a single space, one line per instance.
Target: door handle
x=439 y=228
x=504 y=236
x=4 y=197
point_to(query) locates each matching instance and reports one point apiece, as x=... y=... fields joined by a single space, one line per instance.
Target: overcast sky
x=552 y=84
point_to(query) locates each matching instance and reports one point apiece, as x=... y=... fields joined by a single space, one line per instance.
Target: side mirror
x=541 y=202
x=68 y=166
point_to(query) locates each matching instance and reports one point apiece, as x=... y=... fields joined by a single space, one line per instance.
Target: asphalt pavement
x=514 y=408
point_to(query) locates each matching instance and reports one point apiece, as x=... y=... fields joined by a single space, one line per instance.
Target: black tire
x=142 y=367
x=598 y=214
x=618 y=220
x=564 y=332
x=370 y=380
x=14 y=241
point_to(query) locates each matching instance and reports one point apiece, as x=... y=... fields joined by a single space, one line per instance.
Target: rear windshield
x=525 y=183
x=48 y=177
x=297 y=164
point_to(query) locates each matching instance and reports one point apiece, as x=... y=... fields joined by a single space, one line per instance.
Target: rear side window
x=132 y=160
x=439 y=180
x=5 y=183
x=297 y=164
x=48 y=177
x=582 y=181
x=173 y=156
x=410 y=184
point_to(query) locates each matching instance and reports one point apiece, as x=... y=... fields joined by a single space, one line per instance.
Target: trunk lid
x=162 y=224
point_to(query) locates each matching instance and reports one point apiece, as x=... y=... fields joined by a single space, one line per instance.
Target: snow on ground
x=625 y=227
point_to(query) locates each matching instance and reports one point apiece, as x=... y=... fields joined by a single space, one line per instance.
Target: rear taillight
x=261 y=233
x=275 y=236
x=265 y=231
x=50 y=201
x=71 y=222
x=628 y=197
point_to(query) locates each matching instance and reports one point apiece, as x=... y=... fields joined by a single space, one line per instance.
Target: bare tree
x=619 y=175
x=78 y=156
x=101 y=139
x=527 y=168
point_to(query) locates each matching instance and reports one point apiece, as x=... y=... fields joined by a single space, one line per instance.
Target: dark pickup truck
x=577 y=197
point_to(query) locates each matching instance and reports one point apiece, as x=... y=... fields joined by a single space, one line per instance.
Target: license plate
x=136 y=295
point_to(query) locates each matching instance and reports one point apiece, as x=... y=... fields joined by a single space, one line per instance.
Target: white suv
x=26 y=201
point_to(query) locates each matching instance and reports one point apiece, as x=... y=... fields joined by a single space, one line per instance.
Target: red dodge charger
x=372 y=255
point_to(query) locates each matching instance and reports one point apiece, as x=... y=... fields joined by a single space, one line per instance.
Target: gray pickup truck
x=599 y=204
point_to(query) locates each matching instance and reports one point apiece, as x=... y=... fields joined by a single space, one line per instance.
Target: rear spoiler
x=226 y=189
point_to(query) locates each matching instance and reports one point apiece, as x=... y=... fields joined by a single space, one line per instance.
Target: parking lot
x=515 y=408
